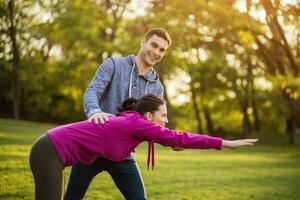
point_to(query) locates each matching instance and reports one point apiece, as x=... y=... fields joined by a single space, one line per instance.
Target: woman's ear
x=148 y=116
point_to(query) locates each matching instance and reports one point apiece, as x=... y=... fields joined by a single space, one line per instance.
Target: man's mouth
x=153 y=59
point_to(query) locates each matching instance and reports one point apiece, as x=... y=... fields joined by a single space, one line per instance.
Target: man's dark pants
x=126 y=176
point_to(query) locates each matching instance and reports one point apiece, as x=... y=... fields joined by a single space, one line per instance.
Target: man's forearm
x=90 y=102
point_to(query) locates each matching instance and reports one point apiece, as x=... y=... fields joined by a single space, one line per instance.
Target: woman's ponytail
x=128 y=105
x=147 y=103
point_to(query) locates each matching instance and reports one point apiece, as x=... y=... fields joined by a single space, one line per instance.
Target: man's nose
x=156 y=52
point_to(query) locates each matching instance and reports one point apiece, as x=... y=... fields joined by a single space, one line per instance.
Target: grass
x=266 y=171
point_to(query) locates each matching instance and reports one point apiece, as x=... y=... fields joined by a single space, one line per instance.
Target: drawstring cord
x=130 y=81
x=146 y=89
x=150 y=143
x=150 y=155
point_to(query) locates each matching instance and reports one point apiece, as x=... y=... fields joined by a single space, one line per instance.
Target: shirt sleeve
x=95 y=90
x=148 y=131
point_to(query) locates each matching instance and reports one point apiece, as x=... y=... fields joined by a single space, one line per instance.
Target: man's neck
x=143 y=69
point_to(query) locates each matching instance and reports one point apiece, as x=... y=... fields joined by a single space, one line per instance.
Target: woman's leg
x=128 y=179
x=47 y=169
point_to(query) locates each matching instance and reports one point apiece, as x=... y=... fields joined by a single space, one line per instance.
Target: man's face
x=153 y=50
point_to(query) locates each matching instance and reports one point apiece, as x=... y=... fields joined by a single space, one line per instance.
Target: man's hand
x=100 y=117
x=177 y=148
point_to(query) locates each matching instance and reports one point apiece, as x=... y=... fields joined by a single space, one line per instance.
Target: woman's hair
x=147 y=103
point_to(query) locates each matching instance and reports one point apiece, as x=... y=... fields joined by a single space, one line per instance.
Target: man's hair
x=160 y=32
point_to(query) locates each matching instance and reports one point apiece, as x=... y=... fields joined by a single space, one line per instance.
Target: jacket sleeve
x=148 y=131
x=161 y=92
x=95 y=90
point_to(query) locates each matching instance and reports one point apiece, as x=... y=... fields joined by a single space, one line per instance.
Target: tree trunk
x=246 y=121
x=255 y=116
x=291 y=130
x=272 y=62
x=171 y=123
x=277 y=30
x=252 y=94
x=244 y=107
x=294 y=120
x=209 y=122
x=15 y=59
x=196 y=109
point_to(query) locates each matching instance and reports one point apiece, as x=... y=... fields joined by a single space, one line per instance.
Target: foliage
x=242 y=58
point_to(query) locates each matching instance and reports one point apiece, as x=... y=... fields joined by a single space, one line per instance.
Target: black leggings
x=47 y=169
x=126 y=176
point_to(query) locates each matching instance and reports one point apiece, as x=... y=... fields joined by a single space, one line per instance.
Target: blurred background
x=232 y=69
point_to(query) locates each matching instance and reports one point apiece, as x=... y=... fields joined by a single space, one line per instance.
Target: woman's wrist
x=225 y=143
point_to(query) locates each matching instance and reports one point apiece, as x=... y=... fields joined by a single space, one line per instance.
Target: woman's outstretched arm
x=234 y=144
x=148 y=131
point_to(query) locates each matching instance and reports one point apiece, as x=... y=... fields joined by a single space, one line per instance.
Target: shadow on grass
x=7 y=195
x=18 y=141
x=4 y=157
x=14 y=169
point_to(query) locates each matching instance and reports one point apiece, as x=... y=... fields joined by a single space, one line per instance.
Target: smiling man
x=116 y=80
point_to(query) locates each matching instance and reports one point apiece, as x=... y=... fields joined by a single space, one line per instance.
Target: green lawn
x=266 y=171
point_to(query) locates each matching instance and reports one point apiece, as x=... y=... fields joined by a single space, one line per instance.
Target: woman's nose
x=166 y=120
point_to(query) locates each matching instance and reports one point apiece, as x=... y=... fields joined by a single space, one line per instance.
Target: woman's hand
x=234 y=144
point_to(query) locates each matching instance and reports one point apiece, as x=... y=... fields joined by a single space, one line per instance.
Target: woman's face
x=158 y=117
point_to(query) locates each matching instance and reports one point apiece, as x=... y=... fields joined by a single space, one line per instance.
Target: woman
x=140 y=120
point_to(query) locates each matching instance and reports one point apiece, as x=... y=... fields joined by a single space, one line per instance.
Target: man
x=116 y=80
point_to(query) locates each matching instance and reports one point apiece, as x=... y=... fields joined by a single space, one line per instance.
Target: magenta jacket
x=115 y=139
